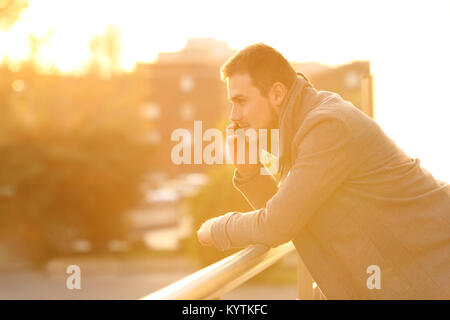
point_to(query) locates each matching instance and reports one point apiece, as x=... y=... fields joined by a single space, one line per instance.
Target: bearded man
x=349 y=197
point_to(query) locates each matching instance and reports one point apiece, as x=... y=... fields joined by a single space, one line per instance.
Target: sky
x=407 y=43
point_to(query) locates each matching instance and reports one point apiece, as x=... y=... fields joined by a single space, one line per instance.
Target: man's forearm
x=257 y=188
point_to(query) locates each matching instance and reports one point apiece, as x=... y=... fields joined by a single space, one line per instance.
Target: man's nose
x=235 y=114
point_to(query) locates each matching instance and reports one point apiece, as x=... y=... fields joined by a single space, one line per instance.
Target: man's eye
x=238 y=102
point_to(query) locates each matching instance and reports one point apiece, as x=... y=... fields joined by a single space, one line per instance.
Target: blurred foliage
x=106 y=50
x=214 y=199
x=72 y=159
x=10 y=11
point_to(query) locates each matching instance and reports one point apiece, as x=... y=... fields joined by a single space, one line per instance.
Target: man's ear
x=277 y=94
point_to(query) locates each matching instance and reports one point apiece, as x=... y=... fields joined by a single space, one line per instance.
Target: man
x=349 y=198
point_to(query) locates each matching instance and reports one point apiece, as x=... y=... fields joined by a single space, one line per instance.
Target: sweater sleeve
x=325 y=157
x=257 y=188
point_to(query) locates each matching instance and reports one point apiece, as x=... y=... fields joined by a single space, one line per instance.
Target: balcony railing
x=215 y=280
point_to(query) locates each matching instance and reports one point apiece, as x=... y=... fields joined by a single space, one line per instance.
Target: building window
x=352 y=80
x=186 y=84
x=187 y=111
x=154 y=137
x=150 y=111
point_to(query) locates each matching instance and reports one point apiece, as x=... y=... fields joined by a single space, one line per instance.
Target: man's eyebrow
x=238 y=96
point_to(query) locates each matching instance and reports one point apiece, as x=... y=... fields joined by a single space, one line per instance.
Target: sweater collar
x=291 y=112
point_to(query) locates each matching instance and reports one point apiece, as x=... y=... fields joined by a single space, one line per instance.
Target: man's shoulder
x=335 y=119
x=331 y=107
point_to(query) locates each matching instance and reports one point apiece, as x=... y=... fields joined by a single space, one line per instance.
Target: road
x=115 y=279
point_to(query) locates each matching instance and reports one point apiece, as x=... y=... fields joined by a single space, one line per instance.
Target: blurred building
x=343 y=79
x=200 y=51
x=184 y=86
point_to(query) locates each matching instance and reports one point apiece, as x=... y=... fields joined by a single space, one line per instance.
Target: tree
x=72 y=162
x=10 y=11
x=106 y=50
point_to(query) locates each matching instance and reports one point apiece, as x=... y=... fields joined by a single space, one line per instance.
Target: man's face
x=250 y=109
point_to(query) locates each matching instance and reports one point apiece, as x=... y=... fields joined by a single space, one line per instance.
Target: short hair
x=264 y=64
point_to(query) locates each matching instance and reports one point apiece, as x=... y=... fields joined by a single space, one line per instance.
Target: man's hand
x=204 y=233
x=232 y=141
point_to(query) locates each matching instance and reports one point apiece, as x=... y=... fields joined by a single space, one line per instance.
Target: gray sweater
x=349 y=198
